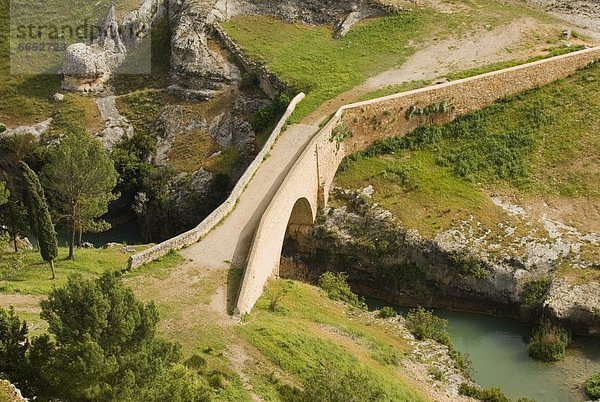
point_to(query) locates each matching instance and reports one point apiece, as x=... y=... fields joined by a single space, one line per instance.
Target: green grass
x=34 y=277
x=159 y=268
x=542 y=143
x=310 y=60
x=305 y=332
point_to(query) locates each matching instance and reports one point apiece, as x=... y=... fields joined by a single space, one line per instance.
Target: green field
x=310 y=60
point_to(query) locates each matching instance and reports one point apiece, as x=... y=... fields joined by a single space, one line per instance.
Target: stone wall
x=192 y=236
x=269 y=82
x=374 y=120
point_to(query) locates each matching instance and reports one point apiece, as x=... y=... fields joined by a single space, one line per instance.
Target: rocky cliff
x=386 y=260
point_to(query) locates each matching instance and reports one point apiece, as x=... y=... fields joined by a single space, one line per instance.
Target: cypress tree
x=40 y=216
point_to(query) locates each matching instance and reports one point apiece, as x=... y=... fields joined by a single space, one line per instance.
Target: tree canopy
x=80 y=178
x=4 y=193
x=103 y=347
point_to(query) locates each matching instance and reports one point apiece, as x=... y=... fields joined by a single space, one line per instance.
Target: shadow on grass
x=234 y=281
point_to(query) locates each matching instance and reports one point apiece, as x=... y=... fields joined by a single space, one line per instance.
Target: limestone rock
x=58 y=97
x=118 y=126
x=136 y=25
x=577 y=304
x=36 y=130
x=85 y=68
x=194 y=66
x=110 y=40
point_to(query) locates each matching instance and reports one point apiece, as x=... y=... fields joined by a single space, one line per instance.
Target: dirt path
x=450 y=55
x=21 y=303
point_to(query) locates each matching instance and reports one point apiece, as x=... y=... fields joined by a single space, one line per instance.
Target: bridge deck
x=229 y=243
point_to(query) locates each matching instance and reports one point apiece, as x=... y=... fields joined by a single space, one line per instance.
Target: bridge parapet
x=194 y=235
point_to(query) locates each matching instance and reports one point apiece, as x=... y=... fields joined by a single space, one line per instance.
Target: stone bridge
x=293 y=183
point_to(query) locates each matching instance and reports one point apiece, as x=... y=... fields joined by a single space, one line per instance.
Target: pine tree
x=80 y=178
x=40 y=214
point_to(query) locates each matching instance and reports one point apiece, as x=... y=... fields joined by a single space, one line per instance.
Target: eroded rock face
x=36 y=131
x=86 y=68
x=578 y=304
x=307 y=11
x=118 y=126
x=384 y=258
x=197 y=72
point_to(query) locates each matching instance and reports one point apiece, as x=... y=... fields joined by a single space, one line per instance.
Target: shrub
x=483 y=394
x=2 y=128
x=468 y=265
x=386 y=312
x=535 y=291
x=335 y=385
x=13 y=344
x=592 y=386
x=424 y=324
x=337 y=288
x=548 y=343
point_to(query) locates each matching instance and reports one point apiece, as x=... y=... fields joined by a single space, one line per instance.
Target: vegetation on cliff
x=468 y=174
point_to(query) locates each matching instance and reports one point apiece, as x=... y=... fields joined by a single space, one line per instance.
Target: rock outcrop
x=36 y=130
x=197 y=72
x=385 y=259
x=87 y=67
x=308 y=11
x=118 y=126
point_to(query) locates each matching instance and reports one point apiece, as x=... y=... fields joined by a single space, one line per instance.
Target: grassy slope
x=311 y=61
x=305 y=332
x=557 y=160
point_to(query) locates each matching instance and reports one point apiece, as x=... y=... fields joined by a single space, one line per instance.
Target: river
x=128 y=233
x=498 y=349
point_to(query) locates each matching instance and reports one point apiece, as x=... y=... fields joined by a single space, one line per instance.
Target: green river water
x=498 y=349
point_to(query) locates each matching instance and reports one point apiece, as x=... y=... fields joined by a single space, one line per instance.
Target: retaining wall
x=268 y=82
x=194 y=235
x=371 y=121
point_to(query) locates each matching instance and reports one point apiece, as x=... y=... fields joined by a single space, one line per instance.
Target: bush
x=535 y=291
x=548 y=343
x=592 y=386
x=2 y=128
x=483 y=394
x=424 y=324
x=387 y=312
x=468 y=265
x=337 y=288
x=333 y=385
x=13 y=344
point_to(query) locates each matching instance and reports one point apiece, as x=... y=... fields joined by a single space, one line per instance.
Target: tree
x=80 y=178
x=13 y=344
x=13 y=216
x=41 y=221
x=4 y=193
x=104 y=345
